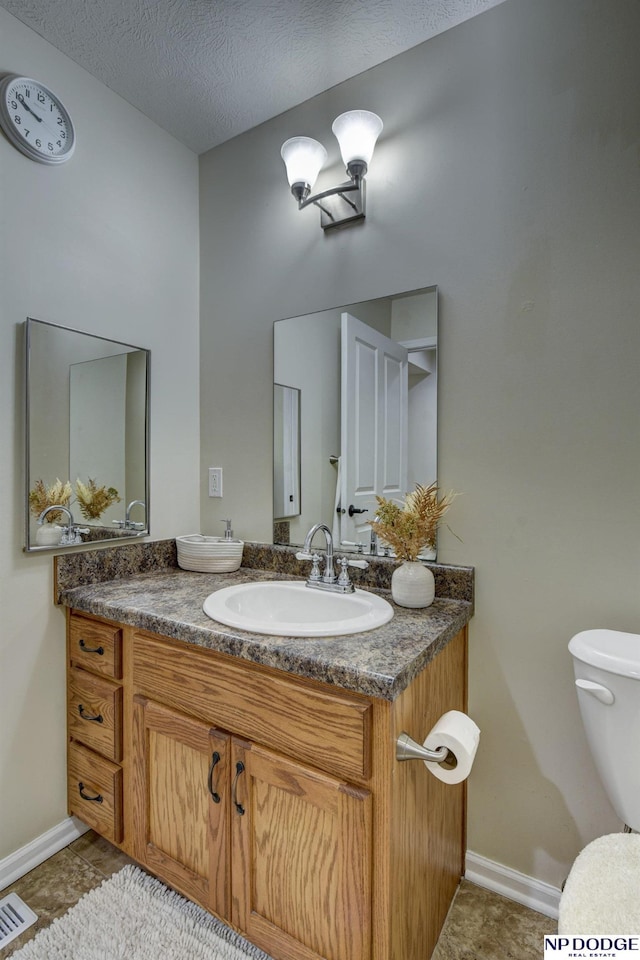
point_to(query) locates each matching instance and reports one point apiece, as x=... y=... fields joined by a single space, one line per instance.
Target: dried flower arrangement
x=94 y=500
x=42 y=496
x=412 y=525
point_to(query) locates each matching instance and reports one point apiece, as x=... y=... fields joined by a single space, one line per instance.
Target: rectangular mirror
x=87 y=407
x=368 y=425
x=286 y=451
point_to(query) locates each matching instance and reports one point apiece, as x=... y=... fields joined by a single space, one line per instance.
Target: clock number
x=14 y=104
x=60 y=121
x=50 y=145
x=40 y=96
x=26 y=132
x=17 y=119
x=38 y=143
x=27 y=92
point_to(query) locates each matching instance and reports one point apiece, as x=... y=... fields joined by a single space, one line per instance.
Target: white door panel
x=374 y=423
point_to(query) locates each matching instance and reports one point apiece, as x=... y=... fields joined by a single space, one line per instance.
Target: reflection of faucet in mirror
x=373 y=542
x=71 y=533
x=128 y=523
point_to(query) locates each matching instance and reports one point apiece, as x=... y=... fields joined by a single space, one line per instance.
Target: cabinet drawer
x=95 y=646
x=95 y=713
x=326 y=729
x=95 y=791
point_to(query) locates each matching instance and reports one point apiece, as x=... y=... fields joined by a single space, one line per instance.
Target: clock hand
x=27 y=107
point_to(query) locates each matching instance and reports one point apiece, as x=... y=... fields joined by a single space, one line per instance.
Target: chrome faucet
x=373 y=542
x=128 y=523
x=327 y=580
x=70 y=533
x=329 y=575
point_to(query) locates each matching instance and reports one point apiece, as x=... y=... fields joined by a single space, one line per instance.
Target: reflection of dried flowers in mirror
x=42 y=496
x=412 y=525
x=94 y=500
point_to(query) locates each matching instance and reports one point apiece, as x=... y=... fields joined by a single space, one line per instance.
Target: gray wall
x=508 y=174
x=106 y=243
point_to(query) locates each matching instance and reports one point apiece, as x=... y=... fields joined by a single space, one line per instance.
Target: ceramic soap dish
x=209 y=554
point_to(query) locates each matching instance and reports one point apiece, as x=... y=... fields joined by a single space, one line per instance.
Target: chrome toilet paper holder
x=408 y=749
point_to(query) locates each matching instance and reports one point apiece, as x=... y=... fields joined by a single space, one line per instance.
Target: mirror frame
x=30 y=547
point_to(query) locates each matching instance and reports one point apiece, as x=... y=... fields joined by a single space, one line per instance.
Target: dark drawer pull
x=234 y=797
x=85 y=796
x=98 y=650
x=98 y=718
x=215 y=760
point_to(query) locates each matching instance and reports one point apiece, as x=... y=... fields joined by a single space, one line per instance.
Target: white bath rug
x=132 y=916
x=602 y=892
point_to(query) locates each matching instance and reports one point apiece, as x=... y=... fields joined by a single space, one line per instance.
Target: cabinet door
x=181 y=802
x=301 y=851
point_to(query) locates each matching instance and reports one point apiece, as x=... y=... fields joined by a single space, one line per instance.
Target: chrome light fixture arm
x=342 y=210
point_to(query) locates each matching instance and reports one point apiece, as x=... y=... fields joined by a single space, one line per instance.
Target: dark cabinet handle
x=234 y=797
x=353 y=510
x=215 y=760
x=85 y=796
x=98 y=650
x=98 y=718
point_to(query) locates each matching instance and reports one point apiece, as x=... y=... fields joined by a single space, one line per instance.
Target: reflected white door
x=374 y=424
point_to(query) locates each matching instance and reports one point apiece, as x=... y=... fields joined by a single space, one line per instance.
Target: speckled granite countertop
x=380 y=663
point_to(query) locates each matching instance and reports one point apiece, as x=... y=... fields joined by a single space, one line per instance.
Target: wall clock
x=35 y=120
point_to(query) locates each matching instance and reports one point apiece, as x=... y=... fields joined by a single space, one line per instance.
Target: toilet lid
x=610 y=650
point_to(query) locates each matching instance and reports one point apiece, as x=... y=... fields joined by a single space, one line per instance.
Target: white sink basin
x=291 y=609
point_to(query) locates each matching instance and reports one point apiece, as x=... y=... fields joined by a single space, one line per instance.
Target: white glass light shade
x=357 y=132
x=303 y=158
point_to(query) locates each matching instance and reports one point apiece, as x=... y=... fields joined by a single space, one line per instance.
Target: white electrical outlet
x=215 y=481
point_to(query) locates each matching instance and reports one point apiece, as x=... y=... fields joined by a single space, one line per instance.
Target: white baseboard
x=485 y=873
x=509 y=883
x=26 y=858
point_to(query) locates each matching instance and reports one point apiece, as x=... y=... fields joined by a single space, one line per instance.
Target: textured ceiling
x=207 y=70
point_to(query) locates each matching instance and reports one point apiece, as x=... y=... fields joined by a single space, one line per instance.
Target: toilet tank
x=606 y=665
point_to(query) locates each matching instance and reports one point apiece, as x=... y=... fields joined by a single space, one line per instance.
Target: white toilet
x=602 y=892
x=606 y=664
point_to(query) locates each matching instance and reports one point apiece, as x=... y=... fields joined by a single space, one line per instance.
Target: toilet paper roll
x=457 y=732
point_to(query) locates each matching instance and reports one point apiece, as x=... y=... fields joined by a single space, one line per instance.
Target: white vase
x=413 y=584
x=48 y=535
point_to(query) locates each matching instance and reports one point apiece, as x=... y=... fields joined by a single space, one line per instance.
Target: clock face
x=35 y=121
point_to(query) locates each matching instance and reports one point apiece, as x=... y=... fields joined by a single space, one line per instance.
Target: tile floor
x=481 y=925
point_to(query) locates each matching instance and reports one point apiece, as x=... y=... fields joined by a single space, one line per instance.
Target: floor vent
x=15 y=918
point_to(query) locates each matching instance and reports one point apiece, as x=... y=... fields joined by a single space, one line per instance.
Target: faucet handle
x=344 y=563
x=343 y=579
x=315 y=564
x=353 y=543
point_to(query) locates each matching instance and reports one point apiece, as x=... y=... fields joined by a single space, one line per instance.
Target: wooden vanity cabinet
x=276 y=802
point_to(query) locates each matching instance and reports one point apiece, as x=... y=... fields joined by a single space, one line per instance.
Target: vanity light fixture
x=356 y=132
